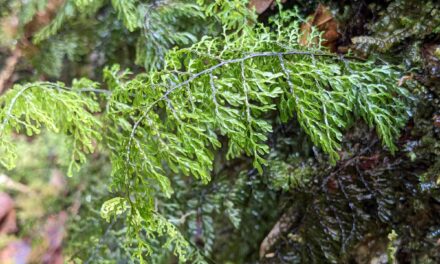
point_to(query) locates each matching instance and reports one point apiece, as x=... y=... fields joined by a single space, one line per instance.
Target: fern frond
x=169 y=121
x=155 y=225
x=70 y=9
x=228 y=86
x=29 y=107
x=232 y=96
x=67 y=10
x=232 y=15
x=158 y=24
x=28 y=10
x=162 y=30
x=53 y=53
x=372 y=98
x=126 y=10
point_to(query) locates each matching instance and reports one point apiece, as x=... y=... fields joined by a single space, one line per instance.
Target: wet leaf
x=8 y=222
x=260 y=5
x=324 y=21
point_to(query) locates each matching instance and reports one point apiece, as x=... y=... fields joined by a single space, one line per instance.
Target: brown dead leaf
x=43 y=17
x=436 y=120
x=6 y=204
x=404 y=79
x=369 y=162
x=260 y=5
x=284 y=223
x=9 y=68
x=54 y=234
x=8 y=223
x=58 y=181
x=325 y=22
x=50 y=250
x=25 y=46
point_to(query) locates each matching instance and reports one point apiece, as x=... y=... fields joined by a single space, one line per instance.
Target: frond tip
x=60 y=109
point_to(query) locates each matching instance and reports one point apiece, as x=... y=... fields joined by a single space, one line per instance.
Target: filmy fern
x=169 y=121
x=60 y=109
x=228 y=86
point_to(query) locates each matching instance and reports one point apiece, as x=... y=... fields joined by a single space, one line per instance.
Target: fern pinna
x=168 y=121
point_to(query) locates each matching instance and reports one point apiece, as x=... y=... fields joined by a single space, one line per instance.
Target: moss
x=401 y=20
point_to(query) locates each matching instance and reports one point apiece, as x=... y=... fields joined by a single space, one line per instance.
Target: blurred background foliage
x=372 y=207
